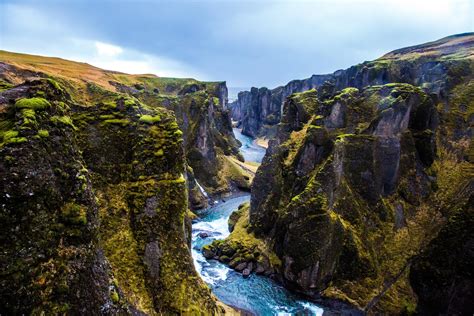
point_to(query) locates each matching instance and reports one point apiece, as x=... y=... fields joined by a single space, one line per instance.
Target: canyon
x=124 y=194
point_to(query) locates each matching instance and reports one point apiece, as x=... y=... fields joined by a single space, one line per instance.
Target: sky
x=246 y=43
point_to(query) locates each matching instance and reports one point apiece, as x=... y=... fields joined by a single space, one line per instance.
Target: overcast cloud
x=246 y=43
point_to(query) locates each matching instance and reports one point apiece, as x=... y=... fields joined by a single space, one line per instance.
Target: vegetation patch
x=75 y=214
x=43 y=133
x=149 y=119
x=64 y=120
x=33 y=103
x=243 y=247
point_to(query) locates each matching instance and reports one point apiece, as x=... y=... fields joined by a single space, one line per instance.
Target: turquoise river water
x=256 y=294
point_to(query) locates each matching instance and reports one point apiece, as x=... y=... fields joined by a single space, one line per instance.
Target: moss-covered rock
x=442 y=275
x=235 y=216
x=93 y=202
x=344 y=193
x=242 y=250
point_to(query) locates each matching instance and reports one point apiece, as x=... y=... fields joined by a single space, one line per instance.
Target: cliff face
x=93 y=196
x=434 y=66
x=442 y=275
x=200 y=109
x=361 y=187
x=258 y=111
x=203 y=118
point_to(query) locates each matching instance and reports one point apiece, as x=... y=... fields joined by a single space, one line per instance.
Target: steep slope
x=200 y=109
x=258 y=111
x=434 y=66
x=361 y=188
x=93 y=199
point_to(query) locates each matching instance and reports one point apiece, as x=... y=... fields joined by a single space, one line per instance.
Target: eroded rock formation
x=93 y=194
x=367 y=182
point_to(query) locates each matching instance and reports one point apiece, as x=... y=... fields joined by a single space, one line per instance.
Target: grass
x=236 y=171
x=76 y=76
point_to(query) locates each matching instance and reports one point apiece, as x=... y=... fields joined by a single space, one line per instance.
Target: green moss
x=28 y=113
x=74 y=214
x=29 y=118
x=341 y=138
x=9 y=159
x=55 y=84
x=114 y=296
x=123 y=122
x=5 y=85
x=173 y=125
x=129 y=102
x=16 y=140
x=43 y=133
x=149 y=119
x=346 y=94
x=121 y=247
x=9 y=135
x=32 y=103
x=245 y=245
x=40 y=94
x=110 y=104
x=234 y=217
x=65 y=120
x=107 y=117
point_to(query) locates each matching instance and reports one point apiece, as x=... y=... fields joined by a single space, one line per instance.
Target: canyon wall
x=367 y=182
x=94 y=190
x=435 y=70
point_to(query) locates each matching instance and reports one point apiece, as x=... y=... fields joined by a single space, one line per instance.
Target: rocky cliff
x=369 y=181
x=258 y=111
x=427 y=65
x=209 y=142
x=93 y=192
x=200 y=109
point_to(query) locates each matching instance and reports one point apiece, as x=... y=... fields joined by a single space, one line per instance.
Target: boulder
x=208 y=252
x=241 y=266
x=260 y=269
x=203 y=235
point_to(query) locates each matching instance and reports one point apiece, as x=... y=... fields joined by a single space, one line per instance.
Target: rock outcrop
x=369 y=180
x=242 y=251
x=435 y=66
x=93 y=196
x=258 y=111
x=200 y=109
x=202 y=116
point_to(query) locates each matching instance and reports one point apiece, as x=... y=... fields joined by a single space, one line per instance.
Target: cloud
x=107 y=50
x=134 y=62
x=251 y=42
x=30 y=30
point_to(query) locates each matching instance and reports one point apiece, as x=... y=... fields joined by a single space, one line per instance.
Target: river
x=251 y=151
x=256 y=294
